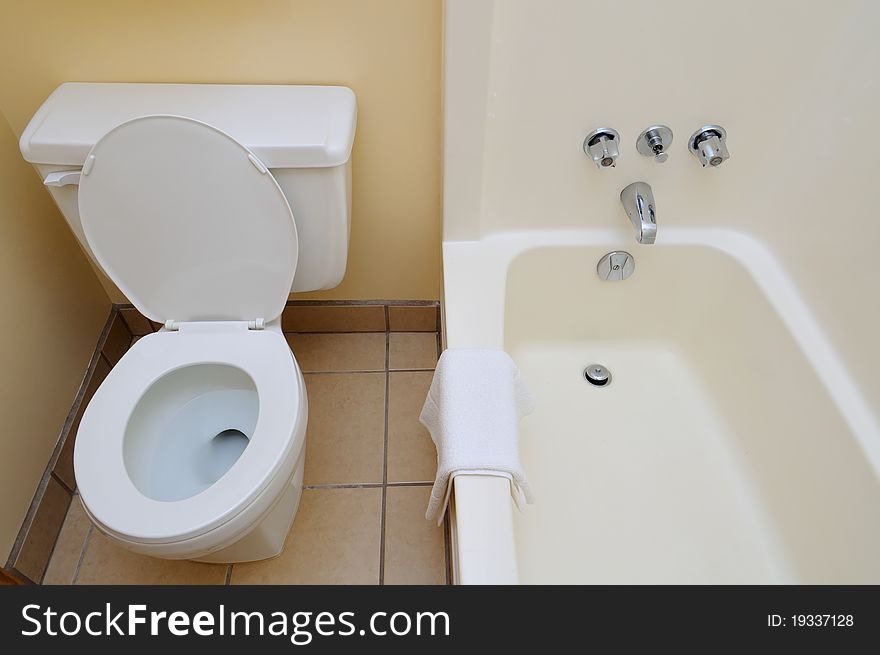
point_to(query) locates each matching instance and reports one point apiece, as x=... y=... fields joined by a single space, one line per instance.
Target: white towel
x=472 y=409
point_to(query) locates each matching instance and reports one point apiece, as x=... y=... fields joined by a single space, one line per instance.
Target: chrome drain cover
x=597 y=375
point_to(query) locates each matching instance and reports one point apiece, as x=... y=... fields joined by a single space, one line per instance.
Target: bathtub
x=731 y=445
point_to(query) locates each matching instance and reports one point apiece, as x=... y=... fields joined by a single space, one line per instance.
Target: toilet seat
x=113 y=500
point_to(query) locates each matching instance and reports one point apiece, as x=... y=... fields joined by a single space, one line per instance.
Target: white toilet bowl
x=194 y=446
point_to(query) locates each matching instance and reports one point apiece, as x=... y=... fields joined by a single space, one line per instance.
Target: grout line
x=378 y=370
x=347 y=332
x=345 y=485
x=367 y=485
x=82 y=553
x=447 y=547
x=387 y=320
x=53 y=475
x=356 y=303
x=229 y=574
x=350 y=332
x=383 y=518
x=447 y=528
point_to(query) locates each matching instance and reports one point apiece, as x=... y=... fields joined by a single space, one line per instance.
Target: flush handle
x=62 y=178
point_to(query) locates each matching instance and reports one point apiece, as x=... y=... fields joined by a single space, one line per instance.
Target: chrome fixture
x=601 y=145
x=597 y=375
x=654 y=142
x=709 y=145
x=617 y=265
x=638 y=201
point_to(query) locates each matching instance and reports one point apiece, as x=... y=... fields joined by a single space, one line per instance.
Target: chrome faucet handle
x=709 y=145
x=638 y=202
x=601 y=145
x=654 y=142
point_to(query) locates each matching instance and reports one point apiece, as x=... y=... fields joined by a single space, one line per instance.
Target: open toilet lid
x=187 y=222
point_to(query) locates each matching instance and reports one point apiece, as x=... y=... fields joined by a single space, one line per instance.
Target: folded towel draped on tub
x=472 y=409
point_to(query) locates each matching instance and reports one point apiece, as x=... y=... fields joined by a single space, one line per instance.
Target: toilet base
x=267 y=538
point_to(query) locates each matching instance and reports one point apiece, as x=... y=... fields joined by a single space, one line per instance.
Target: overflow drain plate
x=615 y=266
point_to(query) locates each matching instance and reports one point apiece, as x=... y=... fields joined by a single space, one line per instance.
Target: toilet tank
x=304 y=134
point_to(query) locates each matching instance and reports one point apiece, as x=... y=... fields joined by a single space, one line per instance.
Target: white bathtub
x=732 y=445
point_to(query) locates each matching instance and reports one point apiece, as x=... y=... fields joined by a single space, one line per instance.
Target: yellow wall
x=388 y=51
x=54 y=309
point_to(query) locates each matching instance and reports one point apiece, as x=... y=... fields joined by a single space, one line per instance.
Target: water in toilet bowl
x=189 y=429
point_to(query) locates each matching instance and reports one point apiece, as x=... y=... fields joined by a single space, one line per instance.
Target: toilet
x=206 y=205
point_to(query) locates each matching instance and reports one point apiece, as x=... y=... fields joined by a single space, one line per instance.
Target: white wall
x=796 y=84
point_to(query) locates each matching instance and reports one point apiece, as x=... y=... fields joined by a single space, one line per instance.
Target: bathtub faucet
x=638 y=201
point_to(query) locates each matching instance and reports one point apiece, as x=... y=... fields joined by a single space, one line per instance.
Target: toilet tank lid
x=286 y=126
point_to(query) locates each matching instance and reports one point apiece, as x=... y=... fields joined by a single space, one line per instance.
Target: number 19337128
x=810 y=621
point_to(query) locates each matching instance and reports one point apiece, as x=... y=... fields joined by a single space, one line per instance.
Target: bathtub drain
x=597 y=375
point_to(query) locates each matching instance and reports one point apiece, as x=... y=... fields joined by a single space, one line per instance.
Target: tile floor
x=369 y=467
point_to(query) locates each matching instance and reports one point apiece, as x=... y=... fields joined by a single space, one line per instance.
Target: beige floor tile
x=106 y=563
x=339 y=352
x=333 y=318
x=414 y=548
x=412 y=318
x=334 y=540
x=411 y=453
x=346 y=430
x=69 y=546
x=408 y=350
